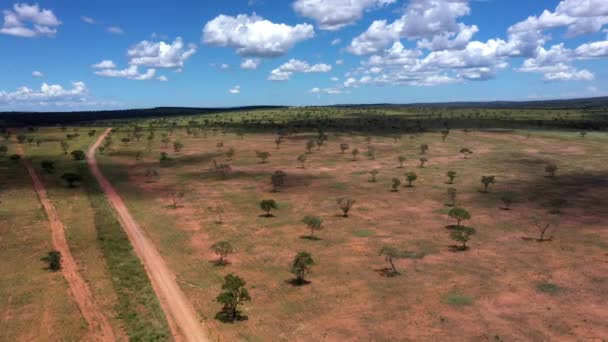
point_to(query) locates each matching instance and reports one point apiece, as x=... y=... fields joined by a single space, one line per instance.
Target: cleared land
x=506 y=286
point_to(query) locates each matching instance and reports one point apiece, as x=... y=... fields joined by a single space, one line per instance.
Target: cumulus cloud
x=162 y=78
x=105 y=64
x=48 y=93
x=29 y=21
x=421 y=19
x=333 y=15
x=250 y=63
x=330 y=91
x=336 y=41
x=593 y=50
x=235 y=90
x=285 y=71
x=253 y=36
x=130 y=73
x=37 y=73
x=87 y=20
x=161 y=54
x=115 y=30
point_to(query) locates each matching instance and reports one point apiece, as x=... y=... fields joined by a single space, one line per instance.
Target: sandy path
x=99 y=326
x=177 y=308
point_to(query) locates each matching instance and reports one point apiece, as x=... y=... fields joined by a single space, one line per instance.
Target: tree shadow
x=310 y=238
x=297 y=282
x=225 y=317
x=266 y=215
x=528 y=238
x=386 y=272
x=457 y=248
x=218 y=263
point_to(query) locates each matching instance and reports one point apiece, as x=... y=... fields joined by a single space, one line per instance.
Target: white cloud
x=162 y=78
x=284 y=72
x=336 y=41
x=422 y=19
x=570 y=75
x=37 y=73
x=330 y=91
x=555 y=64
x=235 y=90
x=105 y=64
x=254 y=36
x=46 y=93
x=593 y=50
x=224 y=66
x=131 y=73
x=251 y=63
x=115 y=30
x=87 y=20
x=29 y=21
x=160 y=54
x=334 y=79
x=450 y=40
x=333 y=15
x=339 y=62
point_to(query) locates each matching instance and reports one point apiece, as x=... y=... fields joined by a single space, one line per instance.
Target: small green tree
x=551 y=169
x=423 y=161
x=395 y=185
x=233 y=294
x=462 y=234
x=177 y=146
x=310 y=144
x=313 y=223
x=302 y=158
x=466 y=153
x=48 y=166
x=218 y=210
x=263 y=155
x=390 y=253
x=459 y=214
x=278 y=141
x=71 y=178
x=424 y=148
x=401 y=160
x=164 y=157
x=301 y=266
x=355 y=153
x=345 y=204
x=373 y=174
x=486 y=181
x=268 y=205
x=451 y=175
x=452 y=193
x=278 y=180
x=78 y=155
x=344 y=148
x=53 y=259
x=507 y=200
x=222 y=249
x=410 y=177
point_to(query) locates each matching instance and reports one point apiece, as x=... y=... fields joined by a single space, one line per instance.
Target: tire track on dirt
x=99 y=326
x=183 y=319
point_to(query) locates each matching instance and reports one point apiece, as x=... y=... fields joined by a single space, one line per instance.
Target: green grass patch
x=456 y=299
x=548 y=288
x=338 y=186
x=363 y=233
x=137 y=305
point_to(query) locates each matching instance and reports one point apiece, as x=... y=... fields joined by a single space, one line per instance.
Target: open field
x=505 y=286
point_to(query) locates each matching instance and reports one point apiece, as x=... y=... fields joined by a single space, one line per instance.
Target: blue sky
x=69 y=55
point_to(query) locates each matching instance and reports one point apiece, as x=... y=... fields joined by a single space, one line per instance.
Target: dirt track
x=99 y=326
x=183 y=319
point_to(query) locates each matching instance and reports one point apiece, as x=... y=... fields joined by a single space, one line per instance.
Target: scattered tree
x=222 y=249
x=543 y=229
x=345 y=204
x=451 y=175
x=466 y=152
x=444 y=134
x=557 y=204
x=310 y=144
x=423 y=160
x=301 y=266
x=233 y=294
x=21 y=138
x=396 y=184
x=176 y=196
x=355 y=152
x=302 y=159
x=71 y=178
x=48 y=166
x=486 y=181
x=551 y=169
x=263 y=155
x=3 y=150
x=459 y=214
x=268 y=205
x=64 y=146
x=391 y=252
x=373 y=173
x=177 y=146
x=278 y=180
x=78 y=155
x=410 y=177
x=278 y=141
x=401 y=160
x=507 y=200
x=230 y=153
x=462 y=234
x=313 y=223
x=344 y=148
x=53 y=259
x=218 y=210
x=424 y=148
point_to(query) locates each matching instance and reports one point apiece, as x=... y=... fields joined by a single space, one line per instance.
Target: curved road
x=183 y=320
x=99 y=326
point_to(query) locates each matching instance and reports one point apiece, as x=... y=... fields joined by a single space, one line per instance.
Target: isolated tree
x=313 y=223
x=551 y=169
x=395 y=185
x=301 y=266
x=268 y=205
x=177 y=146
x=390 y=253
x=64 y=146
x=344 y=148
x=78 y=155
x=373 y=173
x=507 y=199
x=278 y=180
x=278 y=141
x=451 y=175
x=310 y=144
x=583 y=134
x=302 y=158
x=459 y=214
x=3 y=150
x=410 y=177
x=345 y=204
x=48 y=166
x=401 y=160
x=466 y=152
x=424 y=148
x=423 y=160
x=176 y=196
x=452 y=193
x=222 y=249
x=462 y=234
x=355 y=152
x=53 y=259
x=263 y=155
x=218 y=210
x=125 y=140
x=486 y=181
x=92 y=132
x=164 y=157
x=543 y=229
x=71 y=178
x=230 y=153
x=371 y=152
x=233 y=294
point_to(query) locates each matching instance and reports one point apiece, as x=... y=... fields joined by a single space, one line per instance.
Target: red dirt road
x=183 y=319
x=99 y=326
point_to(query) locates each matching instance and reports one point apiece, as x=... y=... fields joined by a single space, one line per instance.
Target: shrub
x=410 y=177
x=395 y=185
x=313 y=223
x=459 y=214
x=486 y=181
x=344 y=148
x=78 y=155
x=53 y=259
x=451 y=175
x=222 y=249
x=268 y=205
x=401 y=160
x=301 y=266
x=345 y=204
x=462 y=234
x=233 y=294
x=278 y=180
x=551 y=169
x=263 y=156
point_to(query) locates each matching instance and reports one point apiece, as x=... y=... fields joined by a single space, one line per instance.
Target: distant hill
x=55 y=118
